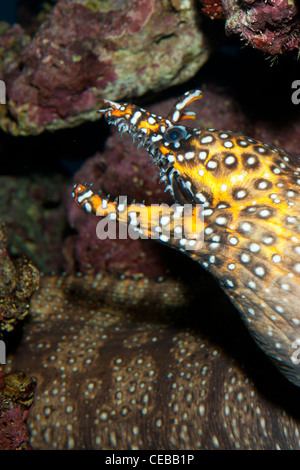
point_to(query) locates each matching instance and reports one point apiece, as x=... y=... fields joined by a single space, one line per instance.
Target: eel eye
x=175 y=133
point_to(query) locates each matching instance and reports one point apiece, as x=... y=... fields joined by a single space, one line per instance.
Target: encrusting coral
x=272 y=26
x=85 y=50
x=19 y=279
x=16 y=398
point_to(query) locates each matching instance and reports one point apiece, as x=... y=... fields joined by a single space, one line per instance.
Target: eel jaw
x=124 y=127
x=168 y=174
x=165 y=167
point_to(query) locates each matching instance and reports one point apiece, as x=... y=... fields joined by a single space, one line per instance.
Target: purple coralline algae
x=85 y=51
x=272 y=26
x=16 y=400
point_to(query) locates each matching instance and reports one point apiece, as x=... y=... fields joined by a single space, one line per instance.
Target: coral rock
x=213 y=9
x=18 y=281
x=16 y=398
x=85 y=50
x=272 y=26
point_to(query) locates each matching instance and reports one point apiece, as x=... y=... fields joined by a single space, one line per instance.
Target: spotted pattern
x=250 y=194
x=113 y=371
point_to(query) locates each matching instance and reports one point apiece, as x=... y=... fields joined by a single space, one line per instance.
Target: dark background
x=8 y=11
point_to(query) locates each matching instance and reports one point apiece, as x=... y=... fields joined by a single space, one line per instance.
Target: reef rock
x=16 y=398
x=272 y=26
x=85 y=51
x=213 y=9
x=19 y=279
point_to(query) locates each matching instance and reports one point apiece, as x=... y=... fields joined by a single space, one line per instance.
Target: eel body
x=236 y=212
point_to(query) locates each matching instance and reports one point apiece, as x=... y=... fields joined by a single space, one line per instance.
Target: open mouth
x=124 y=127
x=167 y=173
x=142 y=140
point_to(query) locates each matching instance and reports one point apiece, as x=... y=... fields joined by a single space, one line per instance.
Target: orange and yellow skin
x=249 y=236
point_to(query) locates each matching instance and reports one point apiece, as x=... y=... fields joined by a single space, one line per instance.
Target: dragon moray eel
x=249 y=237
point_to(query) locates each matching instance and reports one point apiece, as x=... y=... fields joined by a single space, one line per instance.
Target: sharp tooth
x=168 y=188
x=123 y=127
x=117 y=121
x=163 y=178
